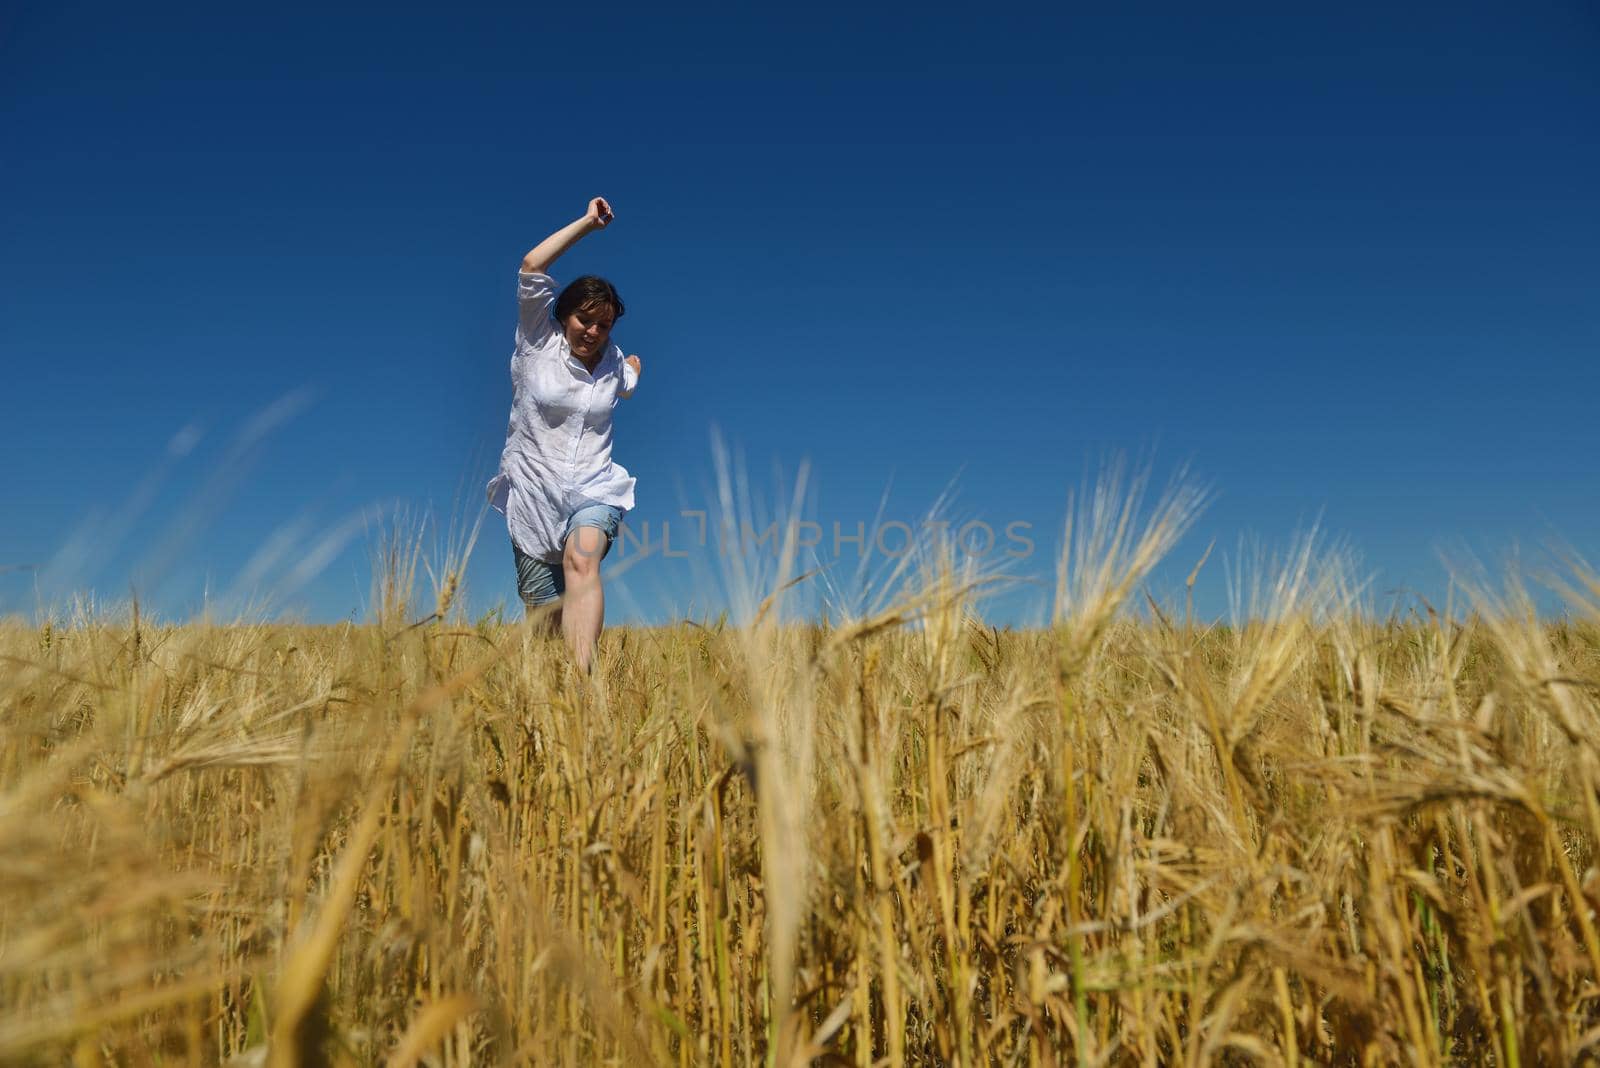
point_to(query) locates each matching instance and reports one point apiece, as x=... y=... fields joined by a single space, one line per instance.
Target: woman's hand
x=546 y=252
x=599 y=216
x=633 y=362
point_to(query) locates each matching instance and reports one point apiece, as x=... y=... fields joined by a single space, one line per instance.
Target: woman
x=562 y=496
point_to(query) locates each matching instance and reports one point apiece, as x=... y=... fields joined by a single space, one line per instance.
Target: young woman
x=562 y=496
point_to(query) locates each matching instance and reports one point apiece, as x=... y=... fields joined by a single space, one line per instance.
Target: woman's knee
x=584 y=549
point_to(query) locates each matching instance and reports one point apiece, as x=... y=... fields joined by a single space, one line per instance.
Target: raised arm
x=546 y=252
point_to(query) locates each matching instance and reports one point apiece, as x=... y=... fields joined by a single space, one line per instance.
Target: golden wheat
x=1313 y=837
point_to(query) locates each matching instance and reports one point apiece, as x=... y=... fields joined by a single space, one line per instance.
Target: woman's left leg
x=583 y=606
x=583 y=609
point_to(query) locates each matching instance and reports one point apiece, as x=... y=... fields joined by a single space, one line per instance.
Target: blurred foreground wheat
x=1313 y=838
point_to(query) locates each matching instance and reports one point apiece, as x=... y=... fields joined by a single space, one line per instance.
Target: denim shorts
x=540 y=582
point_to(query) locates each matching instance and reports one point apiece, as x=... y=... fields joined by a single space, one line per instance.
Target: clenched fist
x=599 y=215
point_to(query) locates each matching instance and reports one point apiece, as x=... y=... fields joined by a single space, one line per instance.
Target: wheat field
x=1130 y=838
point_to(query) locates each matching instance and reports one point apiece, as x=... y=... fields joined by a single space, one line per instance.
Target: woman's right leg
x=540 y=585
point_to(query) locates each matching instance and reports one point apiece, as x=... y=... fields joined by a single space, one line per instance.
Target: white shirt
x=557 y=457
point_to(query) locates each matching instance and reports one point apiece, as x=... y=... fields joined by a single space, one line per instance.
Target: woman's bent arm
x=546 y=252
x=630 y=376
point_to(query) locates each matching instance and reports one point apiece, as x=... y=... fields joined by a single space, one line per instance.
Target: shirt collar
x=576 y=364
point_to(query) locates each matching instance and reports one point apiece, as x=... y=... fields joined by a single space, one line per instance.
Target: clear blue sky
x=256 y=274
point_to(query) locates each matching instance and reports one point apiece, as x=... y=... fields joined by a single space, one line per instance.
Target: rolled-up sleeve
x=536 y=296
x=630 y=379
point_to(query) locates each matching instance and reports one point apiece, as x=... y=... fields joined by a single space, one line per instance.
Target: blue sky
x=256 y=276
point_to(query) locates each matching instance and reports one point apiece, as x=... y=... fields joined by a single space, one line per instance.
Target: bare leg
x=583 y=609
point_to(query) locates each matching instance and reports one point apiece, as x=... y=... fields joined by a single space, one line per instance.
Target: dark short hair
x=590 y=291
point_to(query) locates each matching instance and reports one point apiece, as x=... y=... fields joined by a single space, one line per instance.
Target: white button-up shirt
x=557 y=457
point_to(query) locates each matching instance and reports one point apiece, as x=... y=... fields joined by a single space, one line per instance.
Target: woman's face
x=588 y=330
